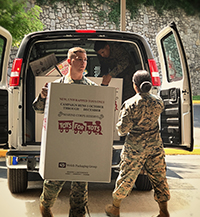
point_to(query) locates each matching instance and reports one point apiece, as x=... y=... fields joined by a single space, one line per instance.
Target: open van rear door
x=5 y=45
x=177 y=118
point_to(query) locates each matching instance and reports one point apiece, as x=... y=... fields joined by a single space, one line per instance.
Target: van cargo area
x=59 y=48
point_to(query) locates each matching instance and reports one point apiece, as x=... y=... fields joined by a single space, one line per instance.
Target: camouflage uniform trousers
x=133 y=159
x=78 y=196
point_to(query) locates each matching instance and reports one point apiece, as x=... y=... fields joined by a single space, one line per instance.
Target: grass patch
x=196 y=97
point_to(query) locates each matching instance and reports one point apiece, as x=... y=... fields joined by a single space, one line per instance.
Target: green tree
x=18 y=19
x=191 y=7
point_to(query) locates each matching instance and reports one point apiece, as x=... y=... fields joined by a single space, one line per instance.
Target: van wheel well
x=17 y=180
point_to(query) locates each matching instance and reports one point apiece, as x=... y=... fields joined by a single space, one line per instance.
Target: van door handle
x=173 y=96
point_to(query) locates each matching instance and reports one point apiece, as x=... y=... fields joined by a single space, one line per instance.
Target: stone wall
x=147 y=23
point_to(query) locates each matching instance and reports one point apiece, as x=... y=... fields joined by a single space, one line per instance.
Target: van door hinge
x=185 y=92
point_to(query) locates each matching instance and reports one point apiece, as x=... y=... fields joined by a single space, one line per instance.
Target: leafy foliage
x=18 y=20
x=191 y=7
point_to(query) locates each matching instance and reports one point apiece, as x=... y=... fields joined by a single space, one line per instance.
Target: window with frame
x=172 y=58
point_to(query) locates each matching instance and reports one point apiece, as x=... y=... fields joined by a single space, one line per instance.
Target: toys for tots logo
x=76 y=127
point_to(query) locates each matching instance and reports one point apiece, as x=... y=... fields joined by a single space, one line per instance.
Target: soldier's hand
x=106 y=79
x=44 y=91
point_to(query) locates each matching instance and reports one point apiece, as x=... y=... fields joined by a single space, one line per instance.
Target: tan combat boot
x=163 y=210
x=46 y=212
x=113 y=210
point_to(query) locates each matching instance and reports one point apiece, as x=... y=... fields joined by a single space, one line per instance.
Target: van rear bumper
x=28 y=160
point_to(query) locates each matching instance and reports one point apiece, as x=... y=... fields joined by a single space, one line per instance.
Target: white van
x=20 y=126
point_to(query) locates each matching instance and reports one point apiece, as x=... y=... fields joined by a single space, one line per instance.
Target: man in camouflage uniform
x=116 y=62
x=77 y=60
x=138 y=120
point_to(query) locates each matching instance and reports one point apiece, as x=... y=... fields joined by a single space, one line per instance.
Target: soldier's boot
x=46 y=212
x=113 y=210
x=163 y=210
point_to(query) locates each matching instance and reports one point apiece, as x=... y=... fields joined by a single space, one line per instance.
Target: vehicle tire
x=17 y=180
x=142 y=183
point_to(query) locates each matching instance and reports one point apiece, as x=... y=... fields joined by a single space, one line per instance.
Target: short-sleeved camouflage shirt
x=138 y=118
x=118 y=62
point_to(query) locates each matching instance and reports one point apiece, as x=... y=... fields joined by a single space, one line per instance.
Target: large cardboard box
x=115 y=82
x=53 y=71
x=39 y=67
x=40 y=81
x=77 y=133
x=118 y=84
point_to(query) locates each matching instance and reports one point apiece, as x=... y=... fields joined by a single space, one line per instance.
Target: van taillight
x=85 y=31
x=154 y=72
x=15 y=72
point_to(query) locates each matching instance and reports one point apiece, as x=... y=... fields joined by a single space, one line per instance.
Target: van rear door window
x=172 y=59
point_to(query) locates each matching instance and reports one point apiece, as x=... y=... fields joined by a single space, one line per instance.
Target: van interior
x=59 y=48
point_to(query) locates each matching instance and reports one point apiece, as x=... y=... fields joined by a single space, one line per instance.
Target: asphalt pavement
x=183 y=173
x=197 y=125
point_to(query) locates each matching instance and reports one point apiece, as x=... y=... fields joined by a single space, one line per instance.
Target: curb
x=171 y=151
x=196 y=101
x=168 y=151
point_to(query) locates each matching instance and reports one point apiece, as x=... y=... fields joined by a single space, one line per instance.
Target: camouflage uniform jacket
x=119 y=61
x=138 y=118
x=39 y=102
